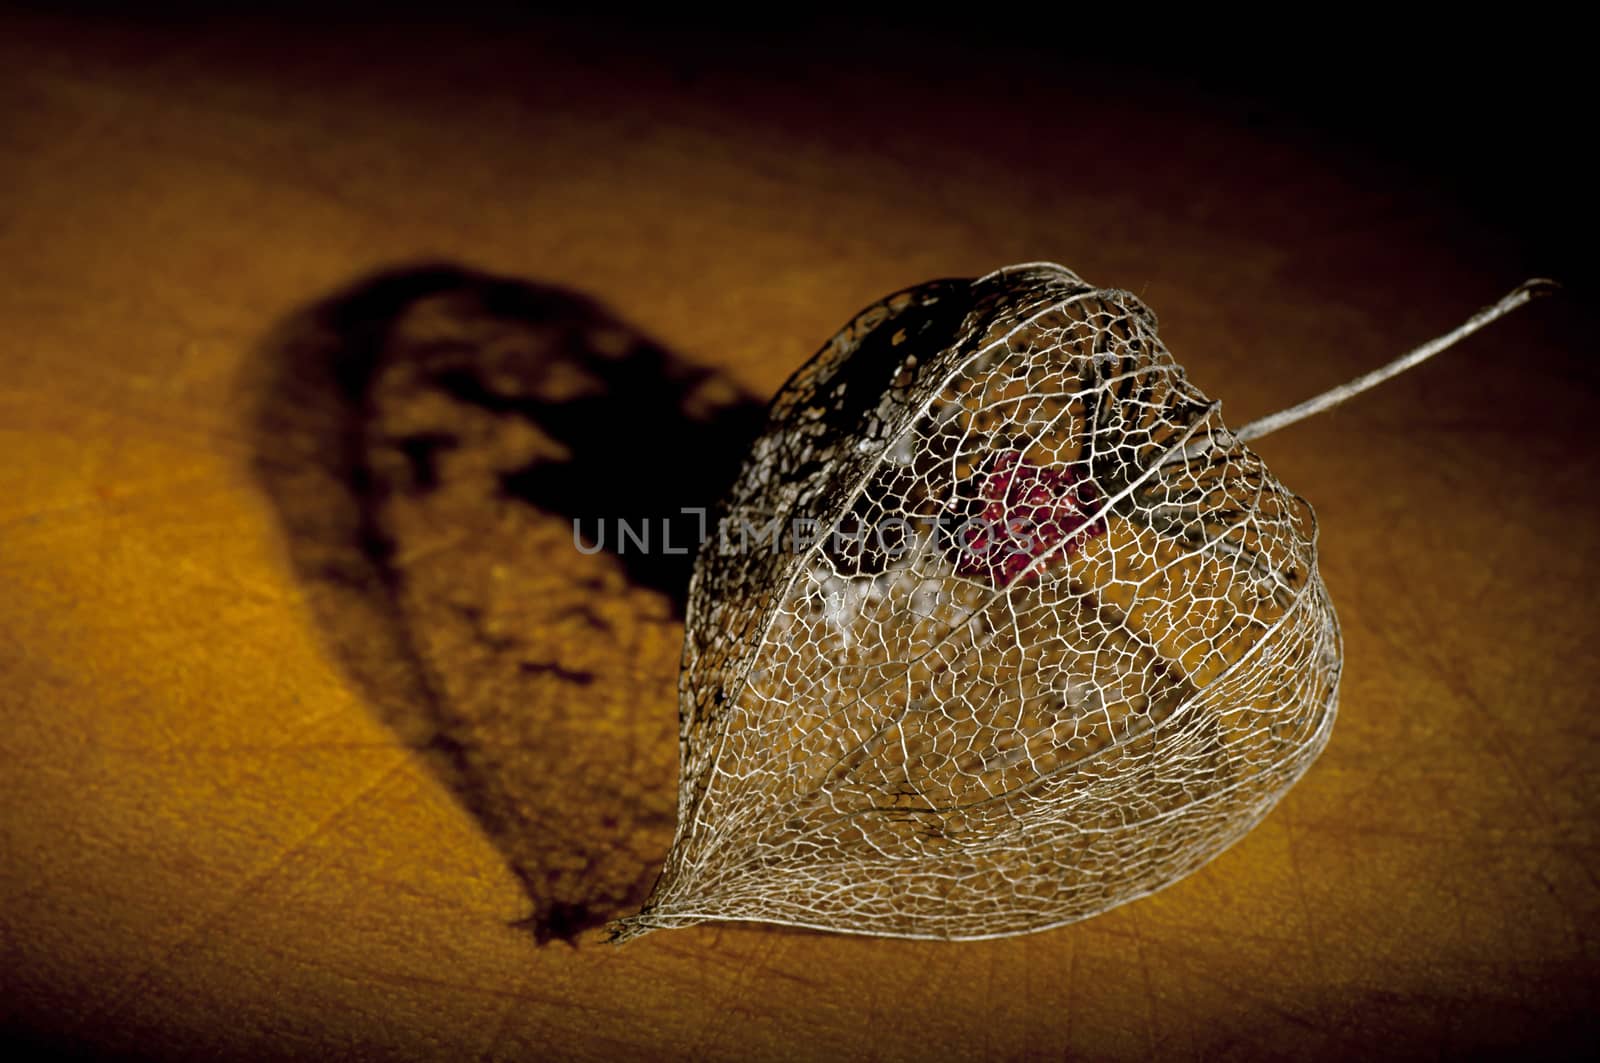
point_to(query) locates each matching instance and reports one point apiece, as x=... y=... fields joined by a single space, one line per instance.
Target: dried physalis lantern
x=1002 y=627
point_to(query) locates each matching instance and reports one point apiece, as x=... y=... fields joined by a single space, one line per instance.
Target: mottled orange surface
x=229 y=824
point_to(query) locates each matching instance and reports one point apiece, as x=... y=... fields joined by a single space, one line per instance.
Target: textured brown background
x=302 y=716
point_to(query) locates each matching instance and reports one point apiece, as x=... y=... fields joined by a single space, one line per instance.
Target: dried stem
x=1328 y=399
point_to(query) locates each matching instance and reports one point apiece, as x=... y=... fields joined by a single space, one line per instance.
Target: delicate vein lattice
x=1054 y=638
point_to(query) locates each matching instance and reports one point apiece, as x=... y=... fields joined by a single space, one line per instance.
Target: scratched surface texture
x=319 y=739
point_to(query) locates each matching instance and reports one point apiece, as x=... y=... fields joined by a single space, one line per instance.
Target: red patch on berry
x=1028 y=511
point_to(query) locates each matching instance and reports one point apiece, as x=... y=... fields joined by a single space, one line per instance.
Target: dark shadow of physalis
x=428 y=437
